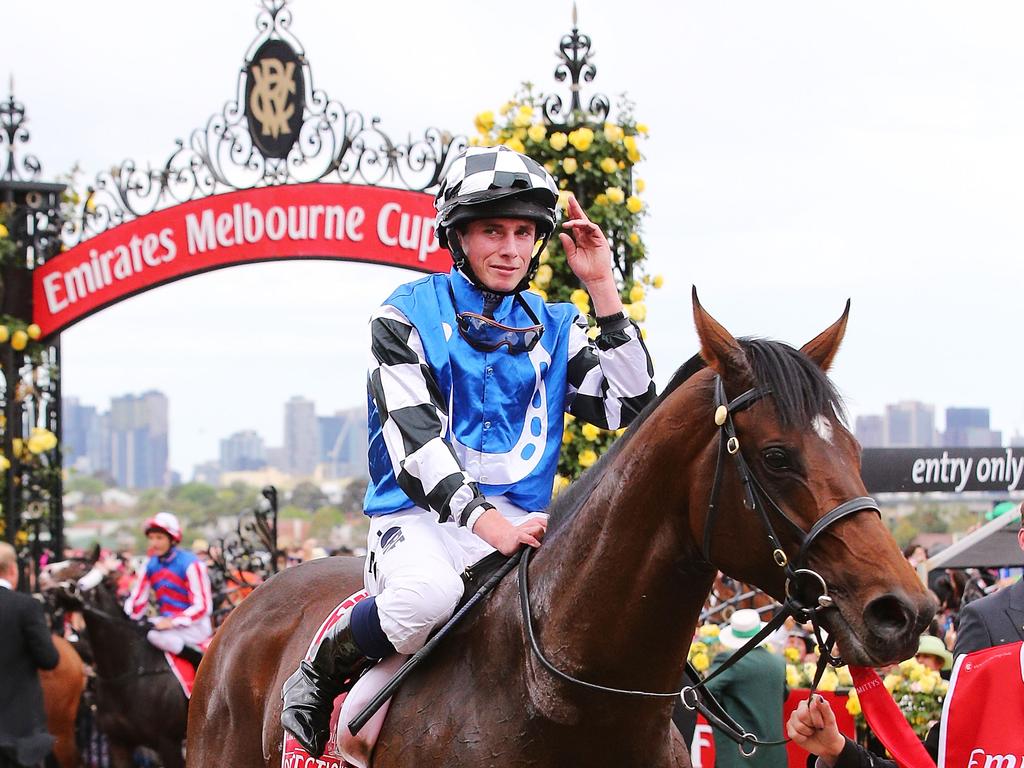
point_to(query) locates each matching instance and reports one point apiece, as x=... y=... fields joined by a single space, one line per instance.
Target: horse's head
x=780 y=446
x=73 y=583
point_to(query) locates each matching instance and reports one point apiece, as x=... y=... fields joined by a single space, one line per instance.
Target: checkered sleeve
x=414 y=422
x=610 y=378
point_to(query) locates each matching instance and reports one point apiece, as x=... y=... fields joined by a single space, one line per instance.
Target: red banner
x=320 y=221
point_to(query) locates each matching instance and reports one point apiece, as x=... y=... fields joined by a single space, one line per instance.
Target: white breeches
x=415 y=571
x=174 y=639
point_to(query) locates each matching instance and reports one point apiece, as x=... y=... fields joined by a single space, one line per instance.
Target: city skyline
x=272 y=440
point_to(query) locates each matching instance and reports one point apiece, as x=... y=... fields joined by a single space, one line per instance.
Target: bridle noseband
x=806 y=590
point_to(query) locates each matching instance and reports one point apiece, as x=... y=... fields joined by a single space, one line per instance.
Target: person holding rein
x=469 y=378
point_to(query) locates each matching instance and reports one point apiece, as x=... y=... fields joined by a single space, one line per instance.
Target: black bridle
x=806 y=590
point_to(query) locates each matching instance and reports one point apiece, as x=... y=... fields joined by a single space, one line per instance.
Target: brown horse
x=62 y=691
x=615 y=589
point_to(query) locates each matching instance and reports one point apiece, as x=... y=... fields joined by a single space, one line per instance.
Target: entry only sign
x=950 y=470
x=330 y=221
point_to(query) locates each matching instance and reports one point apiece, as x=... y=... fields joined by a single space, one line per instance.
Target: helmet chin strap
x=461 y=262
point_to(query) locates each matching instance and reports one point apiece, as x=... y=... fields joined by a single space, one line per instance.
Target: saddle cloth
x=183 y=670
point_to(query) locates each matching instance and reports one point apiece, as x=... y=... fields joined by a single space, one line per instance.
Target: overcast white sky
x=800 y=153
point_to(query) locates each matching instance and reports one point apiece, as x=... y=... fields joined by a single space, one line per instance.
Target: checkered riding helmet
x=495 y=182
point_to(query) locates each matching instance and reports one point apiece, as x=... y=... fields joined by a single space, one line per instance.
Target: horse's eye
x=776 y=458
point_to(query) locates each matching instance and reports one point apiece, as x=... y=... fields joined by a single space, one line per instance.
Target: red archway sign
x=349 y=222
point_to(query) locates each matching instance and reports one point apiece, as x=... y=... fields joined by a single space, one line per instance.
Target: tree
x=308 y=496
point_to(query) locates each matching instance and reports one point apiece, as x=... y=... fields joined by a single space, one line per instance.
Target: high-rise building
x=242 y=451
x=85 y=438
x=969 y=428
x=138 y=440
x=343 y=443
x=909 y=424
x=870 y=431
x=301 y=436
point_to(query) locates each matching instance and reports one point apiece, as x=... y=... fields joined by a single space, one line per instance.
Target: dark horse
x=616 y=588
x=139 y=702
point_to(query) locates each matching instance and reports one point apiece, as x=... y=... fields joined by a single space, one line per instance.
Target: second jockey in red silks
x=178 y=581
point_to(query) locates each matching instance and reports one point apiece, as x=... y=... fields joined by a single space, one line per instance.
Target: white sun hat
x=745 y=623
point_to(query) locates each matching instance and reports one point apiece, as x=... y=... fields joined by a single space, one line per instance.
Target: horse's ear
x=94 y=556
x=823 y=347
x=718 y=347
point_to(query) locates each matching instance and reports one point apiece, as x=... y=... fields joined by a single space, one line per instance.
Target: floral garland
x=594 y=162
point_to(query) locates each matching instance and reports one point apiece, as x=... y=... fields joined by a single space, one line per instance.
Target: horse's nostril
x=889 y=616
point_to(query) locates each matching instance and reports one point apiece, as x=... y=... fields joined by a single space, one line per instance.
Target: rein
x=806 y=590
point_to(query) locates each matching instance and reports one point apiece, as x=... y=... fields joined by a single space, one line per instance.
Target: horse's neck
x=113 y=639
x=622 y=580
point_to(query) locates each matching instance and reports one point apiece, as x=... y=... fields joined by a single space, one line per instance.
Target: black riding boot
x=310 y=692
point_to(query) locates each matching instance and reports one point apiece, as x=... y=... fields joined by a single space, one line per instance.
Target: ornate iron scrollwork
x=574 y=50
x=13 y=133
x=333 y=144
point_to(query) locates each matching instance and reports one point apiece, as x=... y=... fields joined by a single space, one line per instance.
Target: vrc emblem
x=274 y=98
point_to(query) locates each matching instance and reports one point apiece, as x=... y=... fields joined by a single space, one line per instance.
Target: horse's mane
x=800 y=391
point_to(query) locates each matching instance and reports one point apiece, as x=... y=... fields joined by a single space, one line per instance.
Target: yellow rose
x=36 y=444
x=638 y=311
x=634 y=204
x=508 y=107
x=5 y=334
x=537 y=132
x=631 y=150
x=634 y=238
x=608 y=165
x=593 y=332
x=587 y=458
x=612 y=132
x=522 y=119
x=620 y=432
x=658 y=281
x=829 y=681
x=3 y=231
x=590 y=432
x=640 y=185
x=474 y=141
x=615 y=194
x=643 y=334
x=698 y=647
x=845 y=678
x=33 y=331
x=539 y=291
x=792 y=655
x=569 y=418
x=526 y=110
x=515 y=144
x=891 y=682
x=558 y=141
x=90 y=204
x=853 y=704
x=544 y=257
x=484 y=121
x=642 y=128
x=700 y=661
x=792 y=676
x=543 y=276
x=44 y=438
x=563 y=200
x=928 y=684
x=636 y=293
x=709 y=630
x=561 y=483
x=581 y=299
x=566 y=437
x=569 y=165
x=601 y=199
x=581 y=138
x=17 y=446
x=5 y=463
x=19 y=339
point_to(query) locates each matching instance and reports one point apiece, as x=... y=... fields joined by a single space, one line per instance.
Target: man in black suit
x=25 y=648
x=993 y=620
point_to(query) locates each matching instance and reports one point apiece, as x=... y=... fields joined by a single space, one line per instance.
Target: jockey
x=469 y=378
x=181 y=586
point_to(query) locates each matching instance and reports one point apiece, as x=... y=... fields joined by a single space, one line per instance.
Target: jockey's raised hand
x=493 y=528
x=590 y=258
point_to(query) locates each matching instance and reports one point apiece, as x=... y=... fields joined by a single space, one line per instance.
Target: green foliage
x=307 y=496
